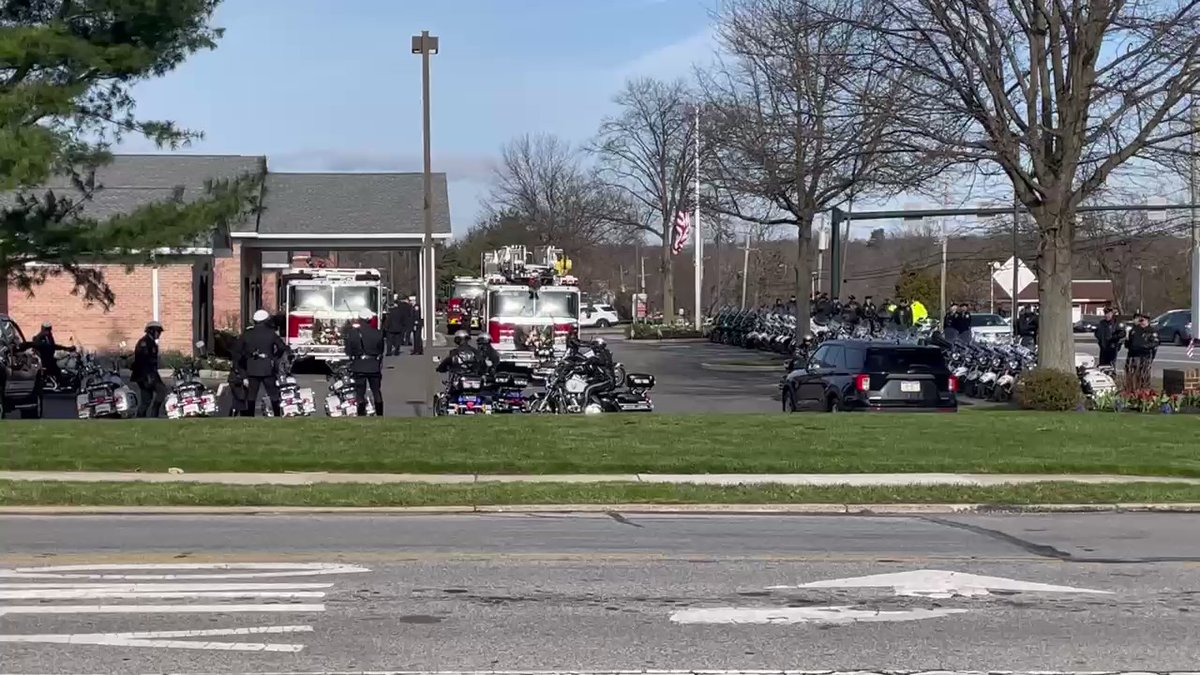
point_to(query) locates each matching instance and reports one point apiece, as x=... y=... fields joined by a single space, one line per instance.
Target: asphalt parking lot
x=691 y=376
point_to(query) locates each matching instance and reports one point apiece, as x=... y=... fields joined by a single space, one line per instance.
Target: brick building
x=218 y=284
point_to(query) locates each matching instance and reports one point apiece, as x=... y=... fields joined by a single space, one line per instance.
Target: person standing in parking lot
x=1108 y=336
x=394 y=325
x=1140 y=349
x=949 y=324
x=261 y=349
x=1027 y=326
x=962 y=324
x=145 y=375
x=417 y=324
x=365 y=347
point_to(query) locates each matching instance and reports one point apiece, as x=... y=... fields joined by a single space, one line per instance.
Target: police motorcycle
x=585 y=381
x=1095 y=381
x=342 y=398
x=189 y=397
x=103 y=393
x=294 y=400
x=505 y=387
x=70 y=368
x=463 y=392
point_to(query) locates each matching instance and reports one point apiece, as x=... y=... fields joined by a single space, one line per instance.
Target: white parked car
x=598 y=316
x=990 y=328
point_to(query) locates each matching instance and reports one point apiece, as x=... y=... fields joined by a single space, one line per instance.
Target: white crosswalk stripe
x=196 y=588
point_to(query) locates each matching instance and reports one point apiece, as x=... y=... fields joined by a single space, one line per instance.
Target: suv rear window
x=905 y=359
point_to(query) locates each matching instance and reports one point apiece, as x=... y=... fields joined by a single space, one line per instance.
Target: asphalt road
x=604 y=593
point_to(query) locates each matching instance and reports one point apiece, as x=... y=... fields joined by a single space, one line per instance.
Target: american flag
x=683 y=228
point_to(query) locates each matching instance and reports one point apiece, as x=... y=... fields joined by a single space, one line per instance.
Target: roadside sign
x=640 y=309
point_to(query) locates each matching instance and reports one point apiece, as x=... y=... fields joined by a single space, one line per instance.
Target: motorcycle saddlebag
x=639 y=381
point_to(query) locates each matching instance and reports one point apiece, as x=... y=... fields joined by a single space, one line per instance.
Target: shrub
x=649 y=331
x=1049 y=389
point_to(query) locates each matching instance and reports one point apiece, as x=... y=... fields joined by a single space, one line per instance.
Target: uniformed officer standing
x=365 y=345
x=261 y=349
x=145 y=372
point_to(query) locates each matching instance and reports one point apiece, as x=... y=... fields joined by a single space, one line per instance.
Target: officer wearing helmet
x=260 y=351
x=145 y=372
x=490 y=356
x=366 y=346
x=463 y=359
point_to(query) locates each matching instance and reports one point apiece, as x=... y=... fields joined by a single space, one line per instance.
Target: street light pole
x=427 y=45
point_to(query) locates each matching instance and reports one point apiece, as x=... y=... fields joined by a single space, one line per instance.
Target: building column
x=251 y=283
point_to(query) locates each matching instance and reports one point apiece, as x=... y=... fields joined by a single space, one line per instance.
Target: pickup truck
x=20 y=373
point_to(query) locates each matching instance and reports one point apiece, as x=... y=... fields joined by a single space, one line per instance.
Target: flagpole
x=699 y=247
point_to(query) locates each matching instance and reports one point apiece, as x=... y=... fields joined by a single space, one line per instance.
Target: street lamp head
x=424 y=43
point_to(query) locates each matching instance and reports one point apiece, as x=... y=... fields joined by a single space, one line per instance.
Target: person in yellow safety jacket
x=919 y=312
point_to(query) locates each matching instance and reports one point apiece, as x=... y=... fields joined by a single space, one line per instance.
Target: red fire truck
x=530 y=299
x=320 y=303
x=466 y=304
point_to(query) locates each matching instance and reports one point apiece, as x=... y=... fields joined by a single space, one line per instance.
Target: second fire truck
x=531 y=302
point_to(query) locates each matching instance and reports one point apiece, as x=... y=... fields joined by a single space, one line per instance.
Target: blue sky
x=331 y=85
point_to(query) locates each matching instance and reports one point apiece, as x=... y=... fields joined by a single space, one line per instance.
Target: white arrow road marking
x=164 y=639
x=790 y=615
x=159 y=609
x=103 y=593
x=941 y=584
x=237 y=571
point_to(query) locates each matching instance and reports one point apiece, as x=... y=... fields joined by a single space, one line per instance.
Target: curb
x=681 y=509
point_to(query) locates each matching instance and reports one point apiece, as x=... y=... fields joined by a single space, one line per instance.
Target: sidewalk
x=812 y=479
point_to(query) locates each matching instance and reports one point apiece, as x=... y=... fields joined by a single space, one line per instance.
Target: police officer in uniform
x=145 y=372
x=261 y=349
x=365 y=345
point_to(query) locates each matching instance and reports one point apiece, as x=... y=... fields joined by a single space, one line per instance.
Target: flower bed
x=1150 y=401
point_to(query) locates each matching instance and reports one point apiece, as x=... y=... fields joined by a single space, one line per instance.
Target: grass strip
x=994 y=442
x=21 y=493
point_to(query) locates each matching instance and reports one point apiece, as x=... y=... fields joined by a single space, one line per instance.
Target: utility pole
x=945 y=246
x=745 y=268
x=1016 y=278
x=699 y=248
x=1193 y=189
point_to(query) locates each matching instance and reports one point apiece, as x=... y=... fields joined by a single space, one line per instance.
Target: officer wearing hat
x=365 y=345
x=261 y=348
x=145 y=372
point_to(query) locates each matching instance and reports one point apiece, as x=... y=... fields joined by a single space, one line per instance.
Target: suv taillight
x=862 y=382
x=952 y=384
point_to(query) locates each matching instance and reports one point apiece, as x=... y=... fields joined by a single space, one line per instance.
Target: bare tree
x=542 y=181
x=646 y=153
x=802 y=120
x=1058 y=95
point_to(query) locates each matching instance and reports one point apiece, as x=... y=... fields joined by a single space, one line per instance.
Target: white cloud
x=678 y=59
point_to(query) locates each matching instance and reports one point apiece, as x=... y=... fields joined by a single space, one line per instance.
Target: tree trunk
x=1056 y=341
x=668 y=280
x=804 y=259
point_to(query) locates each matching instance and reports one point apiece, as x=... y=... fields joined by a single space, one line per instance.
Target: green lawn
x=19 y=493
x=994 y=442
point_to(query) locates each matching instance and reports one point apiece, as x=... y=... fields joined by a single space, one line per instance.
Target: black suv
x=20 y=372
x=845 y=375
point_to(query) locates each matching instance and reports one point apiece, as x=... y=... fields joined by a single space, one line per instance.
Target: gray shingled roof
x=350 y=203
x=132 y=181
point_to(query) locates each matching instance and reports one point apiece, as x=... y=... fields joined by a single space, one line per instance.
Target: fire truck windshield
x=547 y=304
x=333 y=298
x=468 y=289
